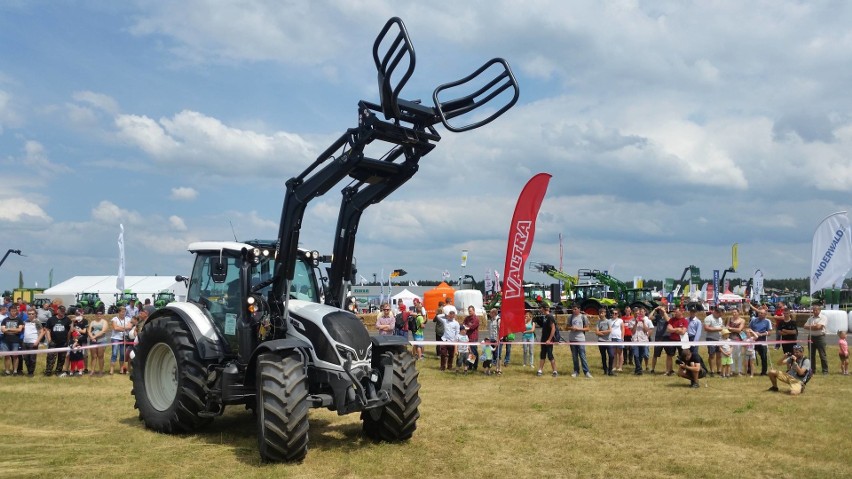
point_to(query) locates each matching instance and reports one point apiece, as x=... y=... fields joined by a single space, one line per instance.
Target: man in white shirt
x=815 y=326
x=451 y=334
x=713 y=326
x=641 y=327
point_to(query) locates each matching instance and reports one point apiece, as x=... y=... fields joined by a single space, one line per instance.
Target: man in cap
x=798 y=371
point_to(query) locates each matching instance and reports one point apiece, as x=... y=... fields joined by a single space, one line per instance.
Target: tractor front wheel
x=282 y=408
x=168 y=378
x=396 y=420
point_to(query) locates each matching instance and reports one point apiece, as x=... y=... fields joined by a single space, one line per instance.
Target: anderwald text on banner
x=831 y=253
x=521 y=233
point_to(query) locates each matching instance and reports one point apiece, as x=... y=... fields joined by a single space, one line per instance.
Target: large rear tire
x=591 y=307
x=168 y=378
x=397 y=420
x=282 y=408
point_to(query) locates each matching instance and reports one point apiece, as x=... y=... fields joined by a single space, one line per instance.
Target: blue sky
x=671 y=129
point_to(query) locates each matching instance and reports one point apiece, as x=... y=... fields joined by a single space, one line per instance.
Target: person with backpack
x=401 y=325
x=798 y=371
x=439 y=326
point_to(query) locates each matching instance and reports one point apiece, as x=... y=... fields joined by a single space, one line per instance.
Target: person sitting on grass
x=691 y=367
x=798 y=371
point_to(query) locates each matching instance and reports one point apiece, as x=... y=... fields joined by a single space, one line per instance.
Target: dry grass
x=516 y=425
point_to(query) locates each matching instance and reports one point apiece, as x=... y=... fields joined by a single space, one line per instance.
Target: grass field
x=515 y=425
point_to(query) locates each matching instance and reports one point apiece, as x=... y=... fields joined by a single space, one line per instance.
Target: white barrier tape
x=64 y=349
x=678 y=344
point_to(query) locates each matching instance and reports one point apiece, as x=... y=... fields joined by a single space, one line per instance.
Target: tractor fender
x=274 y=346
x=388 y=341
x=210 y=345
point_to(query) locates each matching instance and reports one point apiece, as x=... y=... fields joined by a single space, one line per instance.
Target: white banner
x=119 y=281
x=464 y=258
x=831 y=252
x=488 y=281
x=756 y=285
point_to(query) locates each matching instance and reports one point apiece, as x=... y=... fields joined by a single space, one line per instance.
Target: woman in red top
x=627 y=334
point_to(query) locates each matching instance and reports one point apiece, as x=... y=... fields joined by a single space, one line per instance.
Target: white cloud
x=184 y=193
x=177 y=223
x=109 y=213
x=100 y=101
x=8 y=116
x=20 y=209
x=196 y=140
x=35 y=159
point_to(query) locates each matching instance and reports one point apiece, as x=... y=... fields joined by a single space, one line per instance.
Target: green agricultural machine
x=122 y=300
x=163 y=298
x=88 y=303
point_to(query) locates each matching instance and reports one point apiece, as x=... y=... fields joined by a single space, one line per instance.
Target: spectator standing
x=641 y=327
x=547 y=323
x=439 y=326
x=150 y=308
x=788 y=331
x=81 y=327
x=736 y=326
x=661 y=324
x=75 y=356
x=463 y=360
x=780 y=309
x=33 y=334
x=815 y=325
x=762 y=327
x=693 y=330
x=488 y=356
x=120 y=325
x=98 y=329
x=627 y=336
x=451 y=333
x=602 y=331
x=419 y=321
x=131 y=310
x=616 y=337
x=676 y=330
x=843 y=352
x=528 y=338
x=713 y=325
x=578 y=324
x=44 y=313
x=385 y=323
x=11 y=327
x=471 y=325
x=401 y=324
x=58 y=334
x=726 y=349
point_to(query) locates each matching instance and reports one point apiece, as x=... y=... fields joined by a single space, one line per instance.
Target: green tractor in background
x=163 y=298
x=122 y=300
x=88 y=303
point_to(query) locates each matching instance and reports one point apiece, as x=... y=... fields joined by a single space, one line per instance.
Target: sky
x=671 y=130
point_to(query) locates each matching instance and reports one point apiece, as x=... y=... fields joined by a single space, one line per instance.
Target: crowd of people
x=26 y=328
x=623 y=338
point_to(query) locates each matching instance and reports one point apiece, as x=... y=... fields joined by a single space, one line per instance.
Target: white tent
x=405 y=297
x=730 y=298
x=145 y=287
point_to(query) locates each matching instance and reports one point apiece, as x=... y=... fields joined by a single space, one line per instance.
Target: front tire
x=282 y=408
x=168 y=378
x=397 y=420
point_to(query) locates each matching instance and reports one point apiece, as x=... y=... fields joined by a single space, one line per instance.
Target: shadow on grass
x=237 y=429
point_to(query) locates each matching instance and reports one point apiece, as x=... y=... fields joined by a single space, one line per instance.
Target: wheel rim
x=161 y=382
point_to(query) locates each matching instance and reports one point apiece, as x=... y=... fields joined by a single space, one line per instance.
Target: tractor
x=261 y=328
x=163 y=298
x=604 y=291
x=88 y=303
x=122 y=299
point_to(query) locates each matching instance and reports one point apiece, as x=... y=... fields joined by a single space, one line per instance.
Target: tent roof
x=405 y=294
x=106 y=285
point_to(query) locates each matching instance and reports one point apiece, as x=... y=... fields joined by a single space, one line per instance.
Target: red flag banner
x=521 y=233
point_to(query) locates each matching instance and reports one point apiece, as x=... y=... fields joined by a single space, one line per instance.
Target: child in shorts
x=751 y=337
x=727 y=350
x=844 y=352
x=488 y=356
x=463 y=350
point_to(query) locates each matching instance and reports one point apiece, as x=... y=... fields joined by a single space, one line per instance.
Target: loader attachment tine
x=498 y=86
x=399 y=50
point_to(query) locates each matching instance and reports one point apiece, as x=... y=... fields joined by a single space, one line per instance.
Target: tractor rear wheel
x=590 y=307
x=168 y=378
x=396 y=420
x=282 y=408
